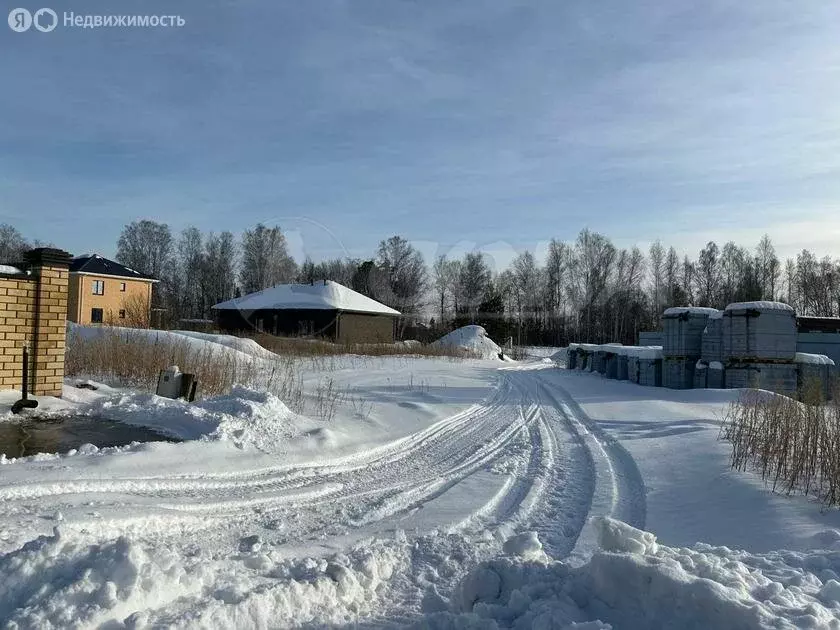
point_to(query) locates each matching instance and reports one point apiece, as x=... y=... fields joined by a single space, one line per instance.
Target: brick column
x=51 y=267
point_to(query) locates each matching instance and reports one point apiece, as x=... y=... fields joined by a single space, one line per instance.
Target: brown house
x=103 y=291
x=323 y=309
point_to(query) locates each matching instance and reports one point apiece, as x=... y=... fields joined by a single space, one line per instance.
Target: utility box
x=172 y=383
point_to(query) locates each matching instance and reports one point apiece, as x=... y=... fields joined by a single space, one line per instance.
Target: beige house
x=103 y=291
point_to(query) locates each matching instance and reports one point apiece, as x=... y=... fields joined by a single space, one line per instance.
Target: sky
x=458 y=124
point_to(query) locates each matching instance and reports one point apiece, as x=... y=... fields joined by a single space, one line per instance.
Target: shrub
x=795 y=445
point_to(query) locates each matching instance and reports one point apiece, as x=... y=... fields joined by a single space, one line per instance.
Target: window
x=122 y=287
x=96 y=316
x=99 y=287
x=122 y=313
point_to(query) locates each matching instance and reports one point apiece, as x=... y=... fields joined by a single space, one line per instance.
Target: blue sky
x=495 y=124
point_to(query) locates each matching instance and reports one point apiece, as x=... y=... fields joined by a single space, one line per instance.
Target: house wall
x=283 y=322
x=33 y=311
x=136 y=300
x=365 y=328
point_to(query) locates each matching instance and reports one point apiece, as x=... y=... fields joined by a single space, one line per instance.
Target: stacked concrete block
x=611 y=366
x=682 y=343
x=775 y=377
x=759 y=331
x=571 y=357
x=650 y=372
x=701 y=375
x=678 y=373
x=633 y=369
x=814 y=371
x=622 y=367
x=682 y=330
x=712 y=341
x=715 y=375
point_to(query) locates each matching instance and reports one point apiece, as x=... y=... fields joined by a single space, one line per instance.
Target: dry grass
x=134 y=358
x=794 y=445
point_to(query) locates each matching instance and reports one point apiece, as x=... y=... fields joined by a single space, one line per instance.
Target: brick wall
x=363 y=328
x=135 y=300
x=33 y=311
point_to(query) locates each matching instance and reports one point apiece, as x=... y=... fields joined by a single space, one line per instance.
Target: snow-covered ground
x=444 y=494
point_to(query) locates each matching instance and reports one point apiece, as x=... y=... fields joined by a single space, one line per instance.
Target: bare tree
x=407 y=275
x=12 y=244
x=708 y=275
x=146 y=246
x=265 y=259
x=473 y=279
x=768 y=267
x=444 y=281
x=657 y=273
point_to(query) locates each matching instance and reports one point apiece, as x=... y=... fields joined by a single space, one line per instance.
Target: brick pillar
x=51 y=267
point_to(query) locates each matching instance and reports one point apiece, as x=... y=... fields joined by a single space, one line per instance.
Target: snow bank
x=813 y=359
x=472 y=339
x=634 y=583
x=245 y=417
x=761 y=305
x=59 y=581
x=240 y=344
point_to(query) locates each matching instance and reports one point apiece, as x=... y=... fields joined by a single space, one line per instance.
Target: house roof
x=98 y=265
x=321 y=295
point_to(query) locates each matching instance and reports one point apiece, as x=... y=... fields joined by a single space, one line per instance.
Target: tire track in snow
x=619 y=490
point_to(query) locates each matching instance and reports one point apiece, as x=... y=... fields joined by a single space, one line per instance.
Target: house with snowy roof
x=103 y=291
x=323 y=309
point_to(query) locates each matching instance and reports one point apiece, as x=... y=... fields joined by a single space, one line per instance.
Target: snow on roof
x=760 y=305
x=691 y=310
x=813 y=359
x=716 y=315
x=327 y=295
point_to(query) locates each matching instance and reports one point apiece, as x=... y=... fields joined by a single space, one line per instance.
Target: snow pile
x=473 y=340
x=812 y=359
x=10 y=269
x=60 y=581
x=245 y=417
x=635 y=583
x=240 y=344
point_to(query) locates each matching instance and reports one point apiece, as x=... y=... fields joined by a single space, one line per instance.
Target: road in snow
x=224 y=532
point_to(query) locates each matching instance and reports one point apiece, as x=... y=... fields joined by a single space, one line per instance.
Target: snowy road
x=525 y=459
x=267 y=519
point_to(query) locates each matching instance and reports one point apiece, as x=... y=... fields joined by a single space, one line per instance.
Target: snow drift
x=633 y=583
x=472 y=340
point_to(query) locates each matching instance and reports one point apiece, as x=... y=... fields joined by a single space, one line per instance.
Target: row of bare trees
x=586 y=289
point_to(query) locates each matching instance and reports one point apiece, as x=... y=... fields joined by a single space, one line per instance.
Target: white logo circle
x=45 y=20
x=20 y=20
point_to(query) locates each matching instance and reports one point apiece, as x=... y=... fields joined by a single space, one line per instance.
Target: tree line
x=585 y=290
